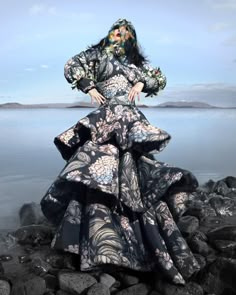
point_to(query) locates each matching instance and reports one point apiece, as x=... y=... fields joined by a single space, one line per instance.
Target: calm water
x=203 y=141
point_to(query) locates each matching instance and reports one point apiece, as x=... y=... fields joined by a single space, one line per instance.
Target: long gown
x=113 y=203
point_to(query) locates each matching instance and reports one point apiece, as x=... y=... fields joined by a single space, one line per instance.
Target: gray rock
x=33 y=286
x=139 y=289
x=60 y=292
x=225 y=246
x=207 y=187
x=201 y=260
x=39 y=266
x=98 y=288
x=34 y=235
x=188 y=224
x=61 y=260
x=31 y=213
x=5 y=257
x=51 y=282
x=5 y=288
x=231 y=195
x=221 y=188
x=222 y=205
x=55 y=260
x=1 y=269
x=221 y=277
x=227 y=232
x=107 y=280
x=198 y=244
x=75 y=282
x=212 y=284
x=190 y=288
x=153 y=292
x=127 y=279
x=230 y=181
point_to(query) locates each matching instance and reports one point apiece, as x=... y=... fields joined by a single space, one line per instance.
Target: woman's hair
x=132 y=50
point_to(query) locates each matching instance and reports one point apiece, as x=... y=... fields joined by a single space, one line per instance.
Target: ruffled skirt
x=113 y=202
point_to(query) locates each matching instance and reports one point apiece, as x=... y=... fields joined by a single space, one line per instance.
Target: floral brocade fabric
x=113 y=203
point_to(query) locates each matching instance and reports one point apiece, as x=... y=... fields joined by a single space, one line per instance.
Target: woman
x=113 y=203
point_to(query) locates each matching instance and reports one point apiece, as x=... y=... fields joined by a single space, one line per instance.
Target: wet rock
x=75 y=281
x=139 y=289
x=221 y=188
x=230 y=181
x=127 y=279
x=98 y=288
x=196 y=212
x=107 y=280
x=221 y=277
x=34 y=235
x=5 y=258
x=198 y=244
x=188 y=224
x=201 y=260
x=39 y=266
x=153 y=292
x=5 y=288
x=222 y=205
x=61 y=260
x=231 y=195
x=24 y=258
x=207 y=187
x=33 y=286
x=227 y=232
x=31 y=213
x=29 y=250
x=1 y=269
x=51 y=282
x=60 y=292
x=212 y=284
x=225 y=246
x=190 y=288
x=55 y=260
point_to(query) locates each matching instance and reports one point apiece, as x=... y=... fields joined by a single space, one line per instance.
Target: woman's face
x=121 y=33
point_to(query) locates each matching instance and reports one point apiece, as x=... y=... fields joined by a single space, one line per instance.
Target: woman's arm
x=154 y=80
x=80 y=72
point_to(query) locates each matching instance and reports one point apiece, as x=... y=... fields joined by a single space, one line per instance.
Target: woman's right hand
x=96 y=96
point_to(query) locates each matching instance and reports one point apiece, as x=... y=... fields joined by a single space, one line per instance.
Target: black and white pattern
x=113 y=202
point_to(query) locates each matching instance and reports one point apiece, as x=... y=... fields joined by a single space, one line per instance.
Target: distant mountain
x=185 y=104
x=82 y=104
x=15 y=105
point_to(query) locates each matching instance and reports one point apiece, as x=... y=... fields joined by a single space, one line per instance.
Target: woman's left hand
x=135 y=90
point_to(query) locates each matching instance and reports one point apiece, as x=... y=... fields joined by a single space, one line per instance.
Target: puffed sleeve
x=80 y=70
x=154 y=80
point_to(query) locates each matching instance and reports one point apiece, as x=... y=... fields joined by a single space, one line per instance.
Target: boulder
x=75 y=282
x=31 y=213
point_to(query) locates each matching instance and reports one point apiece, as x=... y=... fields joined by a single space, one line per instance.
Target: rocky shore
x=208 y=222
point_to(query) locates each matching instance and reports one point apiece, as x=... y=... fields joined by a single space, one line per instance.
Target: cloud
x=223 y=4
x=5 y=96
x=38 y=9
x=231 y=41
x=219 y=27
x=44 y=66
x=29 y=69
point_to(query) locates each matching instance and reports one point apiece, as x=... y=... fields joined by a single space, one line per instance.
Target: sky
x=193 y=42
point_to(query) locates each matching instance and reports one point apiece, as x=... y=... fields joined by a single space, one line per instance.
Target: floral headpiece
x=118 y=47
